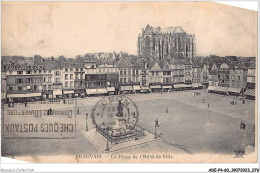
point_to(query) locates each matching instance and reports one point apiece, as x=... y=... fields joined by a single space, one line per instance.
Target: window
x=121 y=80
x=124 y=72
x=57 y=79
x=57 y=73
x=238 y=77
x=66 y=69
x=124 y=79
x=40 y=71
x=20 y=88
x=19 y=72
x=44 y=71
x=81 y=76
x=77 y=69
x=81 y=69
x=157 y=73
x=129 y=72
x=35 y=87
x=77 y=76
x=19 y=80
x=71 y=83
x=44 y=79
x=121 y=72
x=66 y=84
x=49 y=86
x=49 y=79
x=10 y=88
x=29 y=80
x=71 y=76
x=44 y=87
x=49 y=71
x=35 y=71
x=28 y=72
x=71 y=69
x=66 y=76
x=133 y=72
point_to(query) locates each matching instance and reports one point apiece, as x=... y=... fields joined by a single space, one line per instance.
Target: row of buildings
x=43 y=78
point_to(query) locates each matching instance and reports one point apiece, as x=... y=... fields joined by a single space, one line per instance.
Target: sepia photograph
x=129 y=82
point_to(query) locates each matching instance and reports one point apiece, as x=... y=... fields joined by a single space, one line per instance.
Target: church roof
x=177 y=29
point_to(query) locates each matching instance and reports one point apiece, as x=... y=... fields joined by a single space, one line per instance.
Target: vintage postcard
x=128 y=82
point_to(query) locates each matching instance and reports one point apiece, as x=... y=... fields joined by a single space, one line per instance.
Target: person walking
x=208 y=105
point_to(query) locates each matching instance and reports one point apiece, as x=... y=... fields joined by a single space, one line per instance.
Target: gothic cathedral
x=164 y=43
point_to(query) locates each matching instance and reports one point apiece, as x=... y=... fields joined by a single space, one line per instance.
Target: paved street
x=189 y=126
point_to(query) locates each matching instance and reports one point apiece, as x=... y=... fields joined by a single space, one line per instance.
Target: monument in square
x=117 y=120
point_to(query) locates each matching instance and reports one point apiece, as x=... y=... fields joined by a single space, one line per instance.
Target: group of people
x=234 y=102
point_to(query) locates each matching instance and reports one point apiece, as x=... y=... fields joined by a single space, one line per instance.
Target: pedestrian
x=203 y=100
x=208 y=105
x=25 y=104
x=243 y=100
x=78 y=111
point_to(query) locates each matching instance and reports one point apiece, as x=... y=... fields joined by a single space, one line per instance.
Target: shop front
x=57 y=93
x=167 y=88
x=47 y=94
x=25 y=97
x=178 y=87
x=111 y=90
x=80 y=93
x=145 y=89
x=234 y=91
x=136 y=88
x=126 y=89
x=156 y=88
x=68 y=93
x=197 y=86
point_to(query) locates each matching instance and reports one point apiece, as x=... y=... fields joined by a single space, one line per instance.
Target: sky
x=75 y=28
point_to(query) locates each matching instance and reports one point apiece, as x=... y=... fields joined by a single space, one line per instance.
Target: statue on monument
x=120 y=109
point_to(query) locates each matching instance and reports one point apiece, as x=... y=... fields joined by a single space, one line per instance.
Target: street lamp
x=156 y=124
x=107 y=148
x=86 y=121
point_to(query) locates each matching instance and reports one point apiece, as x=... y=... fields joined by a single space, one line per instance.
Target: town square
x=120 y=88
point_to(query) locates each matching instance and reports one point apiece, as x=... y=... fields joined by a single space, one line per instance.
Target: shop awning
x=179 y=86
x=250 y=92
x=197 y=85
x=187 y=86
x=91 y=91
x=167 y=87
x=126 y=88
x=145 y=88
x=57 y=92
x=68 y=92
x=24 y=95
x=212 y=88
x=110 y=89
x=222 y=89
x=136 y=87
x=101 y=90
x=155 y=86
x=234 y=90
